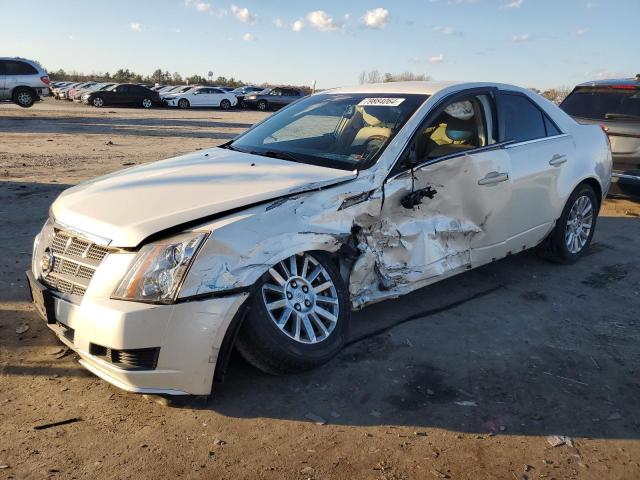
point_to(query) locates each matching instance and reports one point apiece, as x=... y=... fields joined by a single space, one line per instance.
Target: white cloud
x=524 y=37
x=321 y=21
x=437 y=58
x=243 y=14
x=376 y=18
x=203 y=7
x=278 y=23
x=297 y=26
x=248 y=37
x=135 y=26
x=447 y=30
x=580 y=32
x=512 y=4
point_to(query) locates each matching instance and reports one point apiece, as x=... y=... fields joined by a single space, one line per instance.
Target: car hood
x=128 y=206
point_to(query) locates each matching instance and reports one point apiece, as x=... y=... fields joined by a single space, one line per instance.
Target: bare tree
x=374 y=77
x=556 y=95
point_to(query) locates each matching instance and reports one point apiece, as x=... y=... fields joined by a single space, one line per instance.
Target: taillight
x=623 y=87
x=605 y=129
x=45 y=80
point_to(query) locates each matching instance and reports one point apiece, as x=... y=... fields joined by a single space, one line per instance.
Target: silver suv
x=22 y=81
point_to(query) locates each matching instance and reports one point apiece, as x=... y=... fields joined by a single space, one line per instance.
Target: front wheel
x=98 y=102
x=574 y=230
x=147 y=103
x=225 y=104
x=298 y=317
x=262 y=105
x=183 y=103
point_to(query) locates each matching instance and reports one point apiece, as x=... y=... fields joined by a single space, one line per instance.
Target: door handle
x=494 y=177
x=557 y=160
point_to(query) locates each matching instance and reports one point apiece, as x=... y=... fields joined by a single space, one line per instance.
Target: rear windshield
x=603 y=103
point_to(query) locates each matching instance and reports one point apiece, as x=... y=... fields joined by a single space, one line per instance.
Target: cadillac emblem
x=46 y=262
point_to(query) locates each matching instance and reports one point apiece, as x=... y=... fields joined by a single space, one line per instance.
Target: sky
x=531 y=43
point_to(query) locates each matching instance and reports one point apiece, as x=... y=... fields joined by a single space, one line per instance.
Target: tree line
x=158 y=76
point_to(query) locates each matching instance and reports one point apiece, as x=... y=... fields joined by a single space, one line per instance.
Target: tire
x=572 y=235
x=24 y=97
x=97 y=102
x=244 y=104
x=263 y=106
x=184 y=103
x=313 y=327
x=225 y=104
x=147 y=103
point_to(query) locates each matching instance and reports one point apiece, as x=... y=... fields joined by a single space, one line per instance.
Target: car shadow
x=154 y=127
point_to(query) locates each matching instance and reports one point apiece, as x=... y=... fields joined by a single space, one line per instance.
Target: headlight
x=157 y=271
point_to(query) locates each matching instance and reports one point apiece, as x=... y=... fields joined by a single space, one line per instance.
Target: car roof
x=612 y=81
x=420 y=87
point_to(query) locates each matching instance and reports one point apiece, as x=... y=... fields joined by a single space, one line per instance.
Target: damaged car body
x=342 y=199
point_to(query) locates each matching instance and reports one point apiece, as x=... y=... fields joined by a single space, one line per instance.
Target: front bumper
x=188 y=337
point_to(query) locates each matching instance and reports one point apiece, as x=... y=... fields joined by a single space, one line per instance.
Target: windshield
x=603 y=103
x=346 y=131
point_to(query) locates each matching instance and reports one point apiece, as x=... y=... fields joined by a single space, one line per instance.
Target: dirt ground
x=465 y=379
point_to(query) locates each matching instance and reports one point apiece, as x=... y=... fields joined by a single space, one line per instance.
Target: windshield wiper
x=277 y=154
x=621 y=115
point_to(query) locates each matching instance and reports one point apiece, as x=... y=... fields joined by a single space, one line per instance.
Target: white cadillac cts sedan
x=200 y=97
x=344 y=198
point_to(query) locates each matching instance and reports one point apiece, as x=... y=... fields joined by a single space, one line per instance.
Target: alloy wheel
x=301 y=299
x=579 y=224
x=24 y=98
x=146 y=103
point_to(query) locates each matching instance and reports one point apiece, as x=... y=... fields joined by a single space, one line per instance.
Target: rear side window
x=15 y=67
x=523 y=121
x=603 y=103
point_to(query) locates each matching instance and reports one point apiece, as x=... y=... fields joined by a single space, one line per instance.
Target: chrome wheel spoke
x=284 y=317
x=277 y=304
x=308 y=328
x=277 y=277
x=301 y=299
x=323 y=313
x=323 y=299
x=323 y=286
x=274 y=288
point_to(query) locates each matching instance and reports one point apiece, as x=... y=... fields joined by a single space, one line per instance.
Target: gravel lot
x=463 y=379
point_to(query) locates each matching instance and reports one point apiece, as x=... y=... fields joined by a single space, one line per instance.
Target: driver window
x=461 y=126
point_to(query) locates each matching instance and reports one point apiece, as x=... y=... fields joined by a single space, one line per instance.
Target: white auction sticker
x=381 y=102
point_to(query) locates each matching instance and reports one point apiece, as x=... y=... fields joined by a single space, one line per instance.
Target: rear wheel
x=298 y=316
x=24 y=97
x=263 y=105
x=225 y=104
x=97 y=102
x=147 y=103
x=574 y=230
x=183 y=103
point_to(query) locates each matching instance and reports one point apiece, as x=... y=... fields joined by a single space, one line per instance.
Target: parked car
x=615 y=105
x=22 y=81
x=178 y=89
x=98 y=87
x=123 y=94
x=266 y=243
x=73 y=91
x=201 y=97
x=271 y=98
x=63 y=93
x=242 y=92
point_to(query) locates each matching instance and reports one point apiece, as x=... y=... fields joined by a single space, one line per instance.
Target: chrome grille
x=75 y=261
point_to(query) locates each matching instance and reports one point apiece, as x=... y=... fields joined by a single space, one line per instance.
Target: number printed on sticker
x=381 y=102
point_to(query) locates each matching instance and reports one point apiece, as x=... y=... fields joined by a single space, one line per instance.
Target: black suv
x=123 y=94
x=615 y=105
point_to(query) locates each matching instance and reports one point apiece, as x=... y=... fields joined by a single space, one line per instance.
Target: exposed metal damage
x=383 y=248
